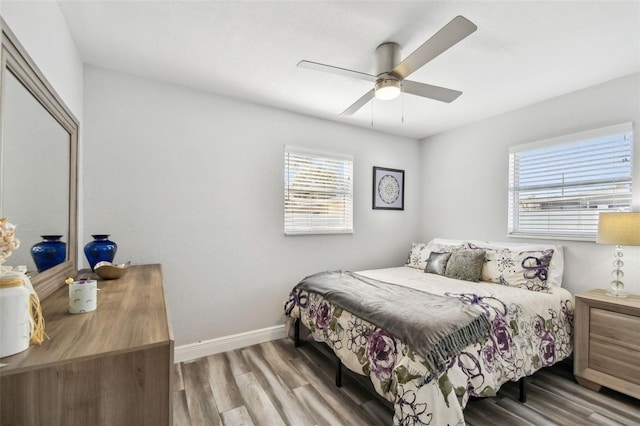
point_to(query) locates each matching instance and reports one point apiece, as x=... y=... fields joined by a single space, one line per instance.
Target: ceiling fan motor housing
x=387 y=57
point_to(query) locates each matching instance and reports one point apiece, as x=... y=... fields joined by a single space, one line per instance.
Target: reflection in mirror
x=38 y=164
x=35 y=174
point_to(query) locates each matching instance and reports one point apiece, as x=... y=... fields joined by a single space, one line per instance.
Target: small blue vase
x=100 y=250
x=49 y=252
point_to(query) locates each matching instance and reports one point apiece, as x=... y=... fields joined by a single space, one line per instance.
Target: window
x=557 y=187
x=318 y=192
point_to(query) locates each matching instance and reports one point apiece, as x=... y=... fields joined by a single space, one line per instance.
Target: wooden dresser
x=607 y=342
x=112 y=366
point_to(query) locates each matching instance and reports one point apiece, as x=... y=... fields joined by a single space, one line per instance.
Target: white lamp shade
x=619 y=228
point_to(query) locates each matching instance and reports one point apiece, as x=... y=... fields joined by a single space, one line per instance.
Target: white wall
x=465 y=174
x=195 y=181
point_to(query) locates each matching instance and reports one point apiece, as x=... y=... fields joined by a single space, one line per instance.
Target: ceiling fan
x=391 y=73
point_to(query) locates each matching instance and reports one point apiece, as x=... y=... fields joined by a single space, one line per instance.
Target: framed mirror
x=38 y=167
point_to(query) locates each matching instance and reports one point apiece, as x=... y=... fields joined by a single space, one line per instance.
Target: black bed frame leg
x=339 y=373
x=296 y=333
x=523 y=390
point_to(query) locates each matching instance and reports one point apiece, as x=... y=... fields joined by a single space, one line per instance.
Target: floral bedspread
x=530 y=330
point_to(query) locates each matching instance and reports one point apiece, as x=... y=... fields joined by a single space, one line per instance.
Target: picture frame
x=388 y=189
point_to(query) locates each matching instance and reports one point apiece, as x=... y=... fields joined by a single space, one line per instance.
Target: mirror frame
x=15 y=59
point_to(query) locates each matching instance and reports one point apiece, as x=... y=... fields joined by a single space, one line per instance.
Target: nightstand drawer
x=615 y=360
x=616 y=328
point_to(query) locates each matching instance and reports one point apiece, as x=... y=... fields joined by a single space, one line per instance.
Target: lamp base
x=617 y=293
x=616 y=288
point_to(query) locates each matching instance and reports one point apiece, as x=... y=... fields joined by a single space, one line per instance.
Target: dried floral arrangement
x=8 y=240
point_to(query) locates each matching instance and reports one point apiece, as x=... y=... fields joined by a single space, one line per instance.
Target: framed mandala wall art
x=388 y=189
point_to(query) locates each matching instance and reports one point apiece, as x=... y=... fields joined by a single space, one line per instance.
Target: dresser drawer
x=616 y=328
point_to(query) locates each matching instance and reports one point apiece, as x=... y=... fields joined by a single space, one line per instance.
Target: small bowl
x=111 y=271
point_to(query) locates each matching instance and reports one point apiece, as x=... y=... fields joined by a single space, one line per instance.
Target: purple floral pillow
x=522 y=269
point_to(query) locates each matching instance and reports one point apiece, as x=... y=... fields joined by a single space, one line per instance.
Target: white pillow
x=447 y=242
x=556 y=267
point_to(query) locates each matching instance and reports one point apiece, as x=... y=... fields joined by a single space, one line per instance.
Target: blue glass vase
x=49 y=252
x=100 y=250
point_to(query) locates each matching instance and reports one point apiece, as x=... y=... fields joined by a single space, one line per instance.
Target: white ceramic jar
x=15 y=321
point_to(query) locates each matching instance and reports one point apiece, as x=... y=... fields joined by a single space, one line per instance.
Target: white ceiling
x=523 y=51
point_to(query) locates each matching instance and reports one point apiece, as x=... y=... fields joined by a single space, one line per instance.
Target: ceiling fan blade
x=359 y=103
x=429 y=91
x=456 y=30
x=336 y=70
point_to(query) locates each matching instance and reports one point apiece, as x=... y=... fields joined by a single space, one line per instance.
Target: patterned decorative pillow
x=522 y=269
x=437 y=263
x=465 y=265
x=419 y=254
x=415 y=255
x=556 y=267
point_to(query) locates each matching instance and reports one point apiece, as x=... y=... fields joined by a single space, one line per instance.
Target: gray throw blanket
x=436 y=327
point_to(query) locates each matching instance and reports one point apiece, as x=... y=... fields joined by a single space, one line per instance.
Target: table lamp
x=621 y=229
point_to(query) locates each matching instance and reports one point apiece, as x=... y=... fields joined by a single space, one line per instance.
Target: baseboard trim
x=227 y=343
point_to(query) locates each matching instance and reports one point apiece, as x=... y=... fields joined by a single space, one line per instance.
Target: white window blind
x=557 y=187
x=318 y=192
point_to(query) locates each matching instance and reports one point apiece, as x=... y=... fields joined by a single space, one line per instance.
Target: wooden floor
x=275 y=383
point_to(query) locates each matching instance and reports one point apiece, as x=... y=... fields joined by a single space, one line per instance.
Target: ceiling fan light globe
x=387 y=89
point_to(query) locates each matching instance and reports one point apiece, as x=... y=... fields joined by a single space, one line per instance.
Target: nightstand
x=607 y=342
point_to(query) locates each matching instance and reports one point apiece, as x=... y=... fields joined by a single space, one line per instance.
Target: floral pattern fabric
x=523 y=269
x=530 y=330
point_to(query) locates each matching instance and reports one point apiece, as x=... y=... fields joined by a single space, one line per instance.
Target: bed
x=517 y=293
